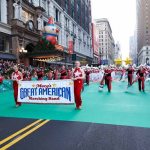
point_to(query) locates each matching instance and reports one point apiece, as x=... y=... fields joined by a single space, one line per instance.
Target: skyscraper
x=106 y=41
x=95 y=45
x=75 y=16
x=79 y=10
x=133 y=49
x=143 y=30
x=117 y=50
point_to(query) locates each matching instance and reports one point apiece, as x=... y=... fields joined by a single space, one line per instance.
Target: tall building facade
x=106 y=41
x=75 y=19
x=117 y=50
x=133 y=48
x=25 y=20
x=5 y=31
x=143 y=30
x=95 y=45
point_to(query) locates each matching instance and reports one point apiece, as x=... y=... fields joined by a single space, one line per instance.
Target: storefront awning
x=7 y=56
x=60 y=63
x=49 y=58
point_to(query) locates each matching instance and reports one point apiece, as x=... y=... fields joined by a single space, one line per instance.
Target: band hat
x=134 y=65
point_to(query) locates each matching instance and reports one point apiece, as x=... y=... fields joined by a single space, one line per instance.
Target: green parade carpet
x=120 y=107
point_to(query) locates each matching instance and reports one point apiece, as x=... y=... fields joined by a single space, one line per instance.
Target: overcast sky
x=122 y=17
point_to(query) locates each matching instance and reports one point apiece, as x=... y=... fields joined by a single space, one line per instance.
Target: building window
x=67 y=22
x=79 y=46
x=67 y=40
x=74 y=28
x=44 y=23
x=83 y=37
x=3 y=11
x=66 y=5
x=72 y=2
x=44 y=4
x=31 y=1
x=48 y=7
x=147 y=41
x=2 y=43
x=72 y=13
x=77 y=7
x=0 y=10
x=57 y=15
x=79 y=34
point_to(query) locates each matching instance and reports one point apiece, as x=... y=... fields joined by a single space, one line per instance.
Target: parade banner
x=46 y=92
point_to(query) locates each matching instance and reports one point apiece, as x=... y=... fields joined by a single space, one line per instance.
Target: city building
x=117 y=51
x=20 y=32
x=95 y=45
x=144 y=55
x=106 y=41
x=143 y=30
x=26 y=19
x=5 y=33
x=133 y=49
x=73 y=18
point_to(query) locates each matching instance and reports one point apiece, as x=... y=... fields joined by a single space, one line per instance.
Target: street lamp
x=22 y=50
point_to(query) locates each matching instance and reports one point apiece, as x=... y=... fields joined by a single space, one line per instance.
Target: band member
x=56 y=72
x=130 y=71
x=102 y=79
x=45 y=77
x=69 y=74
x=108 y=78
x=1 y=79
x=34 y=76
x=123 y=73
x=87 y=72
x=78 y=76
x=23 y=74
x=141 y=73
x=63 y=73
x=16 y=77
x=40 y=74
x=50 y=75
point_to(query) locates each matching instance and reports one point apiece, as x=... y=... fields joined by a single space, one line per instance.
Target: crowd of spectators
x=34 y=73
